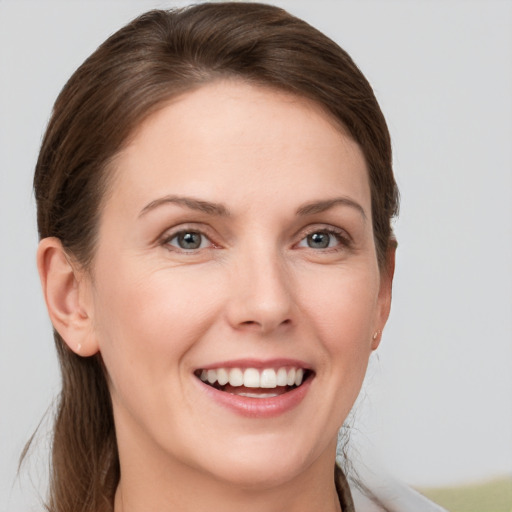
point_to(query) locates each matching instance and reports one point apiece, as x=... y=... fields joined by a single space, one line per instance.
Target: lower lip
x=259 y=407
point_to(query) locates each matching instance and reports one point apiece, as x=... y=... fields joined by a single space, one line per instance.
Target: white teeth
x=212 y=376
x=258 y=395
x=236 y=377
x=282 y=377
x=251 y=378
x=222 y=376
x=267 y=378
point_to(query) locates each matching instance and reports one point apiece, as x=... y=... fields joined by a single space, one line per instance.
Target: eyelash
x=343 y=239
x=166 y=241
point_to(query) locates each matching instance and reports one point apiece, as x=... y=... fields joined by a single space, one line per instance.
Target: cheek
x=342 y=295
x=342 y=306
x=146 y=322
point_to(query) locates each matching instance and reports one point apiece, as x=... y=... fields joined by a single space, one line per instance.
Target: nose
x=261 y=297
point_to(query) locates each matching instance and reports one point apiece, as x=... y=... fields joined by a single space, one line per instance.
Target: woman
x=214 y=197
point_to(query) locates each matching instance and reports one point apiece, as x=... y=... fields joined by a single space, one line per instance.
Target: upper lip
x=258 y=364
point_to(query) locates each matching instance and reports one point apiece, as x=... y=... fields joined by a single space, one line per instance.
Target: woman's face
x=236 y=244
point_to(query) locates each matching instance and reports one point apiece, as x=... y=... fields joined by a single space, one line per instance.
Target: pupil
x=189 y=240
x=318 y=240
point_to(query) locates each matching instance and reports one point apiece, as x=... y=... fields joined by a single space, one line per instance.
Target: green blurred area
x=492 y=496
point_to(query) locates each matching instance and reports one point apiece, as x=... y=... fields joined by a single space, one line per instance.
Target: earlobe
x=385 y=293
x=65 y=296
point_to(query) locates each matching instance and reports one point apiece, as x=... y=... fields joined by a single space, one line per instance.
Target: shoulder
x=364 y=503
x=380 y=493
x=391 y=496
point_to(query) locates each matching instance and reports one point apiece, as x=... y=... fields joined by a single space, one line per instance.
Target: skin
x=255 y=288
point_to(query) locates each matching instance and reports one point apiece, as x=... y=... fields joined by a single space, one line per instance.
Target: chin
x=260 y=465
x=258 y=475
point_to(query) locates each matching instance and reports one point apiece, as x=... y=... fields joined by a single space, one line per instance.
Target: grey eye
x=319 y=240
x=188 y=240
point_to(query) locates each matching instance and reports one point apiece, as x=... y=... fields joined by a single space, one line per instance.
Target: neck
x=199 y=495
x=149 y=483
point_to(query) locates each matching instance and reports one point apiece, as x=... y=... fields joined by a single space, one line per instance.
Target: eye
x=188 y=240
x=323 y=239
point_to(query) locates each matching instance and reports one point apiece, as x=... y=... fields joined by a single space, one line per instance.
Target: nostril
x=265 y=326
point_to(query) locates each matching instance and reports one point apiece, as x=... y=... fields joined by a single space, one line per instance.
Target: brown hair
x=152 y=59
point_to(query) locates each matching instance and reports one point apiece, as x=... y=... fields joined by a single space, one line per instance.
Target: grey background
x=437 y=405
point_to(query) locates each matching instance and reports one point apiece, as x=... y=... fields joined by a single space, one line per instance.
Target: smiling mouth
x=253 y=382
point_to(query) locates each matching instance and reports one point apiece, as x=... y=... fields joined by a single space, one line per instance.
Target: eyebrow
x=188 y=202
x=321 y=206
x=210 y=208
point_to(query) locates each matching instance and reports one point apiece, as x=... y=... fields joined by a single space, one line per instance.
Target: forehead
x=244 y=137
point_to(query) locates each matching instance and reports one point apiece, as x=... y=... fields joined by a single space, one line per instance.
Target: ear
x=66 y=292
x=385 y=292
